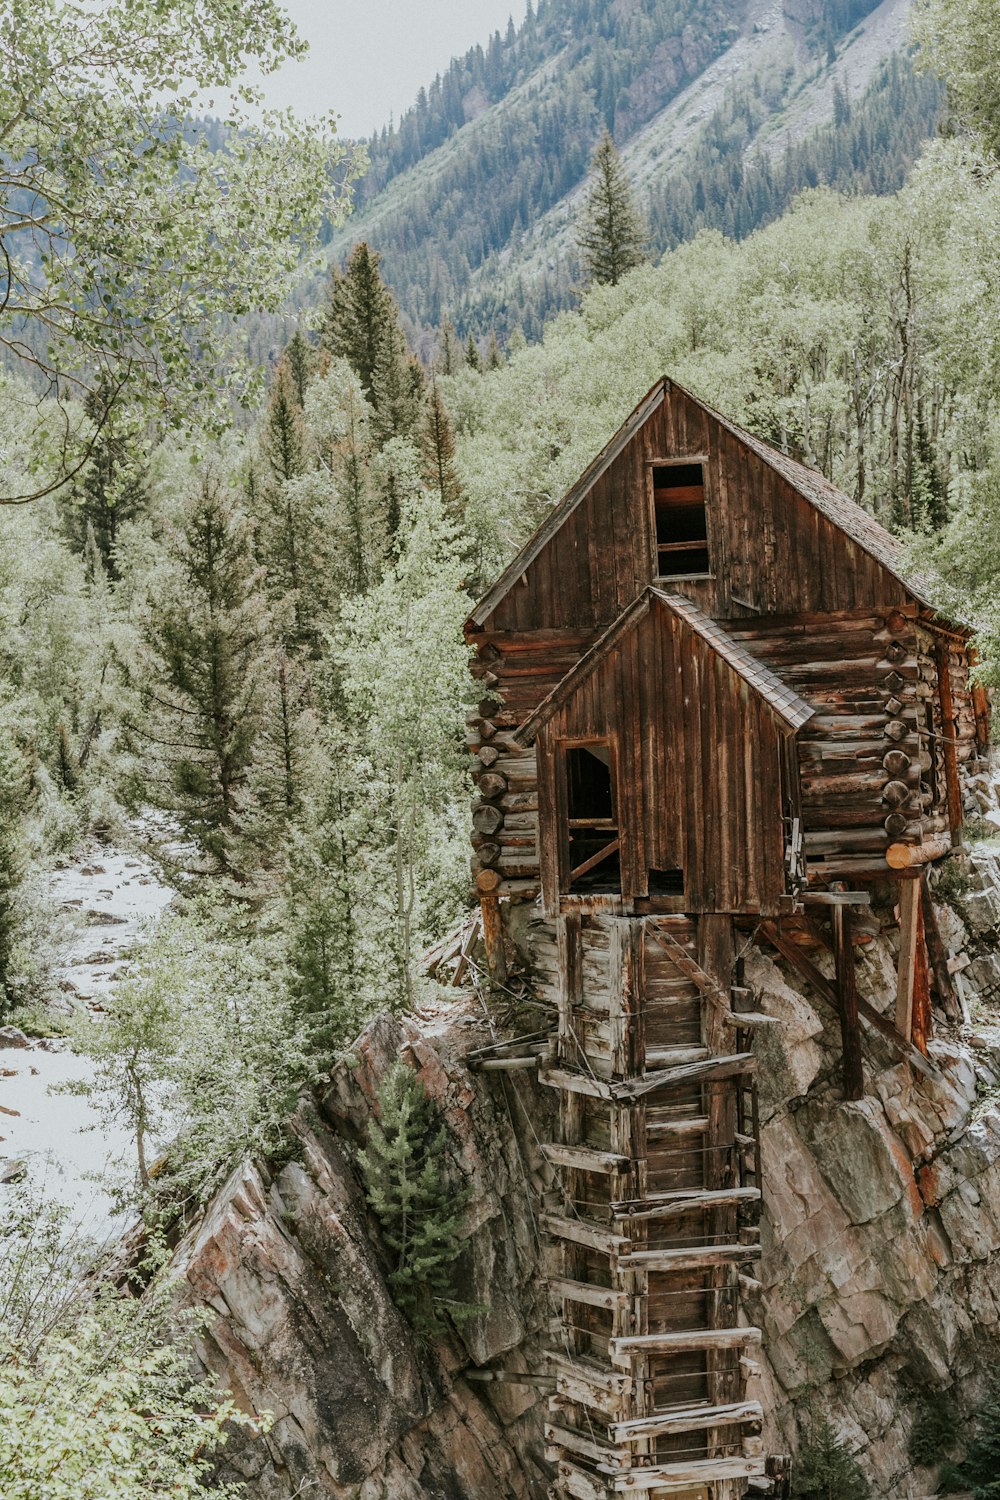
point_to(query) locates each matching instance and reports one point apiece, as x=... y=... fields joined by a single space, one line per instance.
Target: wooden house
x=714 y=699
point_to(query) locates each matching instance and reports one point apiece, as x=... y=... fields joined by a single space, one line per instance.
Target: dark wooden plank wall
x=698 y=762
x=770 y=548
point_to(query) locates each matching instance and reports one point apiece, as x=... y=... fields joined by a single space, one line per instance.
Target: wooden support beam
x=693 y=1419
x=921 y=1024
x=558 y=1437
x=900 y=1044
x=949 y=739
x=909 y=926
x=580 y=1232
x=847 y=986
x=575 y=1083
x=938 y=955
x=488 y=884
x=712 y=991
x=589 y=1383
x=689 y=1259
x=584 y=1158
x=736 y=1065
x=585 y=1291
x=685 y=1339
x=693 y=1472
x=507 y=1064
x=696 y=1125
x=836 y=898
x=666 y=1205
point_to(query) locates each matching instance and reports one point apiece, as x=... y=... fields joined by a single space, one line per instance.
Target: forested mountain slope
x=715 y=104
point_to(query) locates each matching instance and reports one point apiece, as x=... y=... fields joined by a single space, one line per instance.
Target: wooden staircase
x=654 y=1224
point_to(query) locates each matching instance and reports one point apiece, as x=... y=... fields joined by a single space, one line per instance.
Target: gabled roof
x=844 y=513
x=786 y=704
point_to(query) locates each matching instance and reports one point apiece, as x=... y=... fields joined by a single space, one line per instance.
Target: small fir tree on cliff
x=826 y=1470
x=405 y=1171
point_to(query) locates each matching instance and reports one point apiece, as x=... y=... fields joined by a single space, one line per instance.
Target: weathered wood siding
x=699 y=785
x=770 y=548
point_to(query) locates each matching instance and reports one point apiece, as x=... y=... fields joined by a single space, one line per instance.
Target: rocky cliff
x=880 y=1282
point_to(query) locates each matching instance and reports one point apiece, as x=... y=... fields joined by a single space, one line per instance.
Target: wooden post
x=569 y=955
x=938 y=955
x=921 y=1023
x=487 y=884
x=909 y=915
x=949 y=731
x=847 y=995
x=981 y=708
x=717 y=955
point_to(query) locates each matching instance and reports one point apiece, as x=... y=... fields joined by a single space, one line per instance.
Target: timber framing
x=714 y=704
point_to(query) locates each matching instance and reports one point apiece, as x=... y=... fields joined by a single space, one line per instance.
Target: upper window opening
x=681 y=525
x=594 y=862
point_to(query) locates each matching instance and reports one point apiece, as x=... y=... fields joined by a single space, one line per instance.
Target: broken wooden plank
x=690 y=1258
x=580 y=1232
x=694 y=1419
x=584 y=1158
x=585 y=1291
x=575 y=1083
x=735 y=1065
x=665 y=1205
x=685 y=1339
x=694 y=1471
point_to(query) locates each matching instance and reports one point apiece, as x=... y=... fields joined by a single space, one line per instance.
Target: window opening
x=594 y=854
x=666 y=882
x=681 y=523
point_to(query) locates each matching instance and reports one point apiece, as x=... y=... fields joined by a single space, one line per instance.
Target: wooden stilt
x=949 y=742
x=921 y=1025
x=909 y=917
x=847 y=987
x=487 y=883
x=938 y=956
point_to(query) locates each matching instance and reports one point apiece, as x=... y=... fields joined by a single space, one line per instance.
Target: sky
x=368 y=58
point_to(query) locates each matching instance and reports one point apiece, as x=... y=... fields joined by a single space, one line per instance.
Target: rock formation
x=880 y=1282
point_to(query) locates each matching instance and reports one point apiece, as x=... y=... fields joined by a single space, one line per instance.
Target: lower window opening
x=666 y=882
x=594 y=856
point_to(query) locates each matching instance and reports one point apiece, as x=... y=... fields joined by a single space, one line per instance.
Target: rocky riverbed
x=56 y=1140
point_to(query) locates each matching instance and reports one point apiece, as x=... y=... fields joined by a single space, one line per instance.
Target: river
x=56 y=1141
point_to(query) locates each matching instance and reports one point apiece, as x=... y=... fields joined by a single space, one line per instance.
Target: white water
x=66 y=1147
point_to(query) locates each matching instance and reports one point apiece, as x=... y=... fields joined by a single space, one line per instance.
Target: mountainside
x=723 y=109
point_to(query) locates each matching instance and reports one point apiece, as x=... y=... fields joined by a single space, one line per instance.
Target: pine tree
x=980 y=1468
x=405 y=1170
x=612 y=234
x=199 y=676
x=301 y=362
x=473 y=358
x=113 y=486
x=494 y=357
x=284 y=437
x=450 y=353
x=440 y=473
x=362 y=326
x=826 y=1470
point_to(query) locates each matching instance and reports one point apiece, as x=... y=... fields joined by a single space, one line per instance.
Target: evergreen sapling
x=405 y=1172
